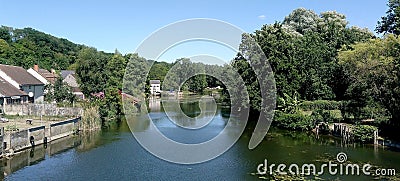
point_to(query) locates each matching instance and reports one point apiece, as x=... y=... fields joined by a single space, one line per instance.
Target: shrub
x=363 y=133
x=320 y=104
x=329 y=116
x=293 y=121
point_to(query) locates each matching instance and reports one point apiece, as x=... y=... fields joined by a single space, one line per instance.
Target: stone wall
x=41 y=109
x=35 y=136
x=62 y=129
x=19 y=140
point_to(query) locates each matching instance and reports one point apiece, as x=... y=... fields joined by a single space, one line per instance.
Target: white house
x=22 y=80
x=155 y=87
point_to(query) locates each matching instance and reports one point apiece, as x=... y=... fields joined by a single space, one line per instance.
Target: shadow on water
x=37 y=154
x=191 y=109
x=83 y=142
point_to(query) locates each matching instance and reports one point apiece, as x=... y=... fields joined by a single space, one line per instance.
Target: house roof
x=65 y=73
x=8 y=90
x=47 y=75
x=71 y=80
x=155 y=82
x=19 y=75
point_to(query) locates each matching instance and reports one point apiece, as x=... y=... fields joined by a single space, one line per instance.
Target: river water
x=114 y=154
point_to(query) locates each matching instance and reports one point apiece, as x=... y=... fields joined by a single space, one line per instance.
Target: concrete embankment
x=23 y=139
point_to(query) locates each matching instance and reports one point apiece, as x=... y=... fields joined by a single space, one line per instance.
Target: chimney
x=36 y=67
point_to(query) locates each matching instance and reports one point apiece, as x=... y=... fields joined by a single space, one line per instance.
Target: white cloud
x=261 y=17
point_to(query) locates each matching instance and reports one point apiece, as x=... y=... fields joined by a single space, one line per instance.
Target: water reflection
x=81 y=143
x=189 y=121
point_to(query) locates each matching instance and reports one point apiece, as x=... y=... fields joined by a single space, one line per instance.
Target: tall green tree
x=115 y=70
x=135 y=79
x=91 y=70
x=391 y=22
x=302 y=52
x=302 y=20
x=59 y=92
x=373 y=70
x=5 y=34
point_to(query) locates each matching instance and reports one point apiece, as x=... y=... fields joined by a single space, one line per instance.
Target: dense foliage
x=391 y=22
x=372 y=69
x=303 y=55
x=26 y=47
x=320 y=65
x=363 y=133
x=59 y=92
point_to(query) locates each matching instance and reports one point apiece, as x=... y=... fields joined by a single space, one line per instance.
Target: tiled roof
x=8 y=90
x=20 y=75
x=47 y=75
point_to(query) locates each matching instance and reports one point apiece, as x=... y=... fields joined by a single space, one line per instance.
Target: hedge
x=364 y=133
x=293 y=121
x=320 y=104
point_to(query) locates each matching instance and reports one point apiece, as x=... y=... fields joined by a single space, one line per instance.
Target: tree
x=91 y=70
x=115 y=70
x=302 y=52
x=277 y=43
x=5 y=34
x=302 y=20
x=373 y=70
x=59 y=92
x=159 y=70
x=136 y=76
x=182 y=75
x=391 y=22
x=28 y=47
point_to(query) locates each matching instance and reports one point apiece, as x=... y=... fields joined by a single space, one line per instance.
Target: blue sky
x=123 y=24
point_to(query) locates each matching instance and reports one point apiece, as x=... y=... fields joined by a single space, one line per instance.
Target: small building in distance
x=22 y=80
x=155 y=87
x=69 y=78
x=10 y=94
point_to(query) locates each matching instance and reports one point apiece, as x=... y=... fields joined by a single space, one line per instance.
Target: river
x=114 y=154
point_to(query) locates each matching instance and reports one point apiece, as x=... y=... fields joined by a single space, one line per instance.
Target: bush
x=354 y=111
x=364 y=133
x=328 y=116
x=293 y=121
x=320 y=104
